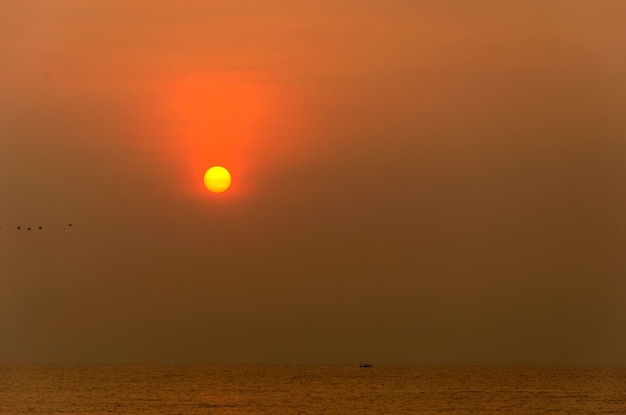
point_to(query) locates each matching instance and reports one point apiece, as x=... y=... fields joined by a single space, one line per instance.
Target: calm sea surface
x=259 y=389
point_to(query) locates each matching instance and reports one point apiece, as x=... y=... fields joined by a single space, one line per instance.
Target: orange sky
x=413 y=181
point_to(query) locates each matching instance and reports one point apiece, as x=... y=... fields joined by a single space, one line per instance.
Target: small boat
x=366 y=364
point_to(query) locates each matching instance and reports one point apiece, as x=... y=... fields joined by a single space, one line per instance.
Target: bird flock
x=40 y=228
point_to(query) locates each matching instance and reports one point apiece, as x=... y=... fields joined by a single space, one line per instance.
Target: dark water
x=259 y=389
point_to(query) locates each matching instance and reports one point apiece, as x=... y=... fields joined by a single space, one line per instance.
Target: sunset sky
x=437 y=181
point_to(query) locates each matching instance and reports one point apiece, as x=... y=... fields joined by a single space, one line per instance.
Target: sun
x=217 y=179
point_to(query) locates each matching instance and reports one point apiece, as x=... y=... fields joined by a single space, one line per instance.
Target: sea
x=310 y=389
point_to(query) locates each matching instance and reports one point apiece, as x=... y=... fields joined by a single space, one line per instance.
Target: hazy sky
x=413 y=181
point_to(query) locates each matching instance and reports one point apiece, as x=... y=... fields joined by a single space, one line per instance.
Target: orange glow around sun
x=219 y=119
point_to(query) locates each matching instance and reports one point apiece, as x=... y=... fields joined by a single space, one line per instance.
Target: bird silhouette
x=19 y=227
x=41 y=227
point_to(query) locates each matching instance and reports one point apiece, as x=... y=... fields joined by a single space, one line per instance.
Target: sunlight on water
x=261 y=389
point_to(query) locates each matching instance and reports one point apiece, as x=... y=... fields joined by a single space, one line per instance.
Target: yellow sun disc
x=217 y=179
